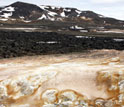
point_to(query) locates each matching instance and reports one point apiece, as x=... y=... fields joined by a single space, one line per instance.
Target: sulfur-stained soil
x=82 y=73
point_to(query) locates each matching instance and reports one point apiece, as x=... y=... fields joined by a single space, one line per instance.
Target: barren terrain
x=41 y=80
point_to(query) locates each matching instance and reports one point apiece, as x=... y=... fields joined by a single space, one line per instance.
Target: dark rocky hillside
x=14 y=44
x=23 y=10
x=30 y=13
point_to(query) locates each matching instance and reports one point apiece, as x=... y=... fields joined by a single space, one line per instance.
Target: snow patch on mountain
x=101 y=16
x=67 y=10
x=42 y=17
x=42 y=7
x=52 y=13
x=7 y=12
x=63 y=14
x=78 y=11
x=53 y=7
x=6 y=15
x=3 y=19
x=9 y=9
x=22 y=17
x=47 y=7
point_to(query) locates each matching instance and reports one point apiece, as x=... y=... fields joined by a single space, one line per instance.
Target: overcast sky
x=110 y=8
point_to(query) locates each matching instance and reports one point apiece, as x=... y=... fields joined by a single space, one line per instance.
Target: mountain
x=25 y=12
x=22 y=11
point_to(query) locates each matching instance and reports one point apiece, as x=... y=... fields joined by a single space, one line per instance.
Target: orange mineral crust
x=89 y=79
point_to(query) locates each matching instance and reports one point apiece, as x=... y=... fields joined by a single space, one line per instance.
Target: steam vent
x=95 y=79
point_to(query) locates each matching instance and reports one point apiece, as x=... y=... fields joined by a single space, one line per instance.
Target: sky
x=108 y=8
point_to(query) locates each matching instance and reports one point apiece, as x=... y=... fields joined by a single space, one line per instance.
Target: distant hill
x=28 y=13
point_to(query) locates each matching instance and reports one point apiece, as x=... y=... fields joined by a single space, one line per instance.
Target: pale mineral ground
x=90 y=79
